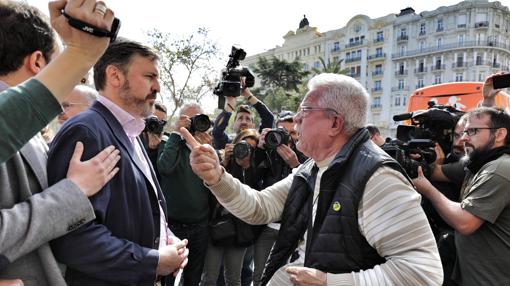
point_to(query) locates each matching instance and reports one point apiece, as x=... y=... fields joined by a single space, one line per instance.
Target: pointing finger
x=189 y=138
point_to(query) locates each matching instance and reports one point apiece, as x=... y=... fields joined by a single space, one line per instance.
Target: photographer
x=231 y=248
x=186 y=196
x=243 y=118
x=153 y=135
x=275 y=163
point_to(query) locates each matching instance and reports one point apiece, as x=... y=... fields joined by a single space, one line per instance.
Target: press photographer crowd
x=124 y=195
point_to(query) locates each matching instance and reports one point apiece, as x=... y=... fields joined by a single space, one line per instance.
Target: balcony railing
x=352 y=59
x=401 y=72
x=420 y=70
x=438 y=67
x=377 y=73
x=379 y=40
x=376 y=89
x=354 y=44
x=402 y=38
x=457 y=45
x=335 y=49
x=496 y=65
x=419 y=86
x=459 y=65
x=422 y=33
x=400 y=88
x=461 y=26
x=354 y=75
x=439 y=29
x=377 y=56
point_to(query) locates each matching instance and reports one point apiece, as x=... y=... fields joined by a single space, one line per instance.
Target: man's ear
x=35 y=62
x=501 y=135
x=337 y=126
x=114 y=76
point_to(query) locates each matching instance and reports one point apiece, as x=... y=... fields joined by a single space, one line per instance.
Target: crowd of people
x=307 y=198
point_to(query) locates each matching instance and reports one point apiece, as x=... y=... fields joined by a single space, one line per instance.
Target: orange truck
x=461 y=95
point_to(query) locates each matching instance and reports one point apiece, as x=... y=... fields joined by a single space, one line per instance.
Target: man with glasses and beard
x=129 y=242
x=482 y=218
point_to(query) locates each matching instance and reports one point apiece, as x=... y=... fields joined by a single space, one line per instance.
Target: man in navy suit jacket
x=129 y=242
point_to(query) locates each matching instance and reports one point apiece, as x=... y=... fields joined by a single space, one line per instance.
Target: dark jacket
x=335 y=245
x=114 y=248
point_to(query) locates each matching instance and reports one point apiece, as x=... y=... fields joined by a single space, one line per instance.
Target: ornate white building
x=395 y=54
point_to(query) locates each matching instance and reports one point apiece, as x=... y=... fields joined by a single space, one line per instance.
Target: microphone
x=403 y=116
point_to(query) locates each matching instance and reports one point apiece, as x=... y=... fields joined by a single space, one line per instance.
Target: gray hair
x=190 y=105
x=345 y=95
x=87 y=92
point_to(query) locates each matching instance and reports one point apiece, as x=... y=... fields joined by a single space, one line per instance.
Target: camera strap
x=93 y=30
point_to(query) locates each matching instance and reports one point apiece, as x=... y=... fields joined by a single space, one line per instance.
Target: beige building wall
x=395 y=54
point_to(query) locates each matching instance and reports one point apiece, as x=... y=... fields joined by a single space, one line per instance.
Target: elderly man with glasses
x=482 y=218
x=349 y=215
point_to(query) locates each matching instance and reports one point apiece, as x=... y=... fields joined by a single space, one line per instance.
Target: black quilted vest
x=335 y=245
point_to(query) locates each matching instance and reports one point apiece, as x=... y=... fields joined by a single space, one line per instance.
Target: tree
x=330 y=67
x=185 y=65
x=279 y=80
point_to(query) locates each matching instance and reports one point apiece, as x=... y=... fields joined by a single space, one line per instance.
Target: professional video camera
x=276 y=137
x=154 y=125
x=415 y=143
x=230 y=83
x=200 y=122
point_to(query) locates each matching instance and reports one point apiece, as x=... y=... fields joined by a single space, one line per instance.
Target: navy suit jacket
x=114 y=248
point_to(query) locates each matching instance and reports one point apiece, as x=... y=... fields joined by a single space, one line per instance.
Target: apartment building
x=395 y=54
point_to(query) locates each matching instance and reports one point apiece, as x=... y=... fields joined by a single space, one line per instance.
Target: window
x=378 y=69
x=404 y=101
x=439 y=42
x=378 y=52
x=335 y=60
x=379 y=36
x=423 y=29
x=461 y=40
x=459 y=77
x=439 y=25
x=422 y=46
x=460 y=61
x=306 y=67
x=377 y=85
x=421 y=67
x=402 y=50
x=347 y=56
x=461 y=21
x=397 y=100
x=336 y=46
x=376 y=103
x=437 y=79
x=401 y=84
x=401 y=68
x=481 y=76
x=357 y=28
x=403 y=32
x=358 y=54
x=419 y=83
x=316 y=64
x=438 y=64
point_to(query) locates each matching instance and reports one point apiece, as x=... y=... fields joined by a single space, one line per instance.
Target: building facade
x=398 y=53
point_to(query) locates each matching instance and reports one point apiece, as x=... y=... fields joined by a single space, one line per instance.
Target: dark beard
x=130 y=100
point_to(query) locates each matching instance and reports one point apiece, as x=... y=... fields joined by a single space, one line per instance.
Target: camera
x=415 y=143
x=230 y=83
x=501 y=81
x=200 y=123
x=242 y=149
x=154 y=125
x=276 y=137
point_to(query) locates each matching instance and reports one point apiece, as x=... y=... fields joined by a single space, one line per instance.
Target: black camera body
x=430 y=126
x=200 y=123
x=154 y=125
x=276 y=137
x=501 y=81
x=242 y=149
x=230 y=83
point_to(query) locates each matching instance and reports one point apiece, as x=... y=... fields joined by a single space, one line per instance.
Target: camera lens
x=200 y=123
x=273 y=139
x=242 y=150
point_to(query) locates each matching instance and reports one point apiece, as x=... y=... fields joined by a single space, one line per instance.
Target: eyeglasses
x=472 y=131
x=306 y=110
x=66 y=105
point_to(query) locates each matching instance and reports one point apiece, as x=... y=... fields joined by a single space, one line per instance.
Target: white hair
x=343 y=94
x=87 y=92
x=190 y=105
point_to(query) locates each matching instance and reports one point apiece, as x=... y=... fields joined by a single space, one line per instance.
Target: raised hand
x=203 y=159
